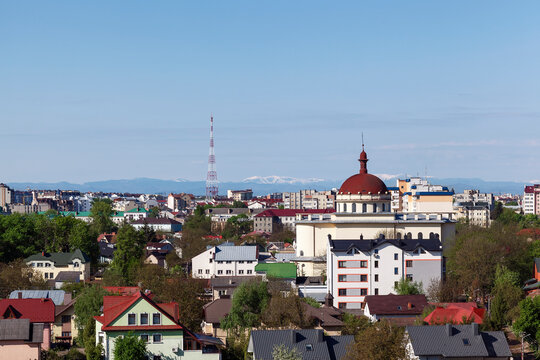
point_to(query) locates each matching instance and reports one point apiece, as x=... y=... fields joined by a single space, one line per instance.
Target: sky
x=101 y=90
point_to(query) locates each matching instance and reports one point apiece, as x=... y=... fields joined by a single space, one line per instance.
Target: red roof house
x=456 y=313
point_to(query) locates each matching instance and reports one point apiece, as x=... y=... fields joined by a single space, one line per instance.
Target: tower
x=211 y=176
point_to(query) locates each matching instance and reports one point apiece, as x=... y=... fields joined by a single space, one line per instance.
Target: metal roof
x=457 y=341
x=14 y=329
x=404 y=244
x=60 y=259
x=311 y=343
x=235 y=253
x=57 y=296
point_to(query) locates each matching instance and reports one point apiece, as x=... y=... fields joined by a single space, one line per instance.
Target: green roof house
x=61 y=267
x=277 y=270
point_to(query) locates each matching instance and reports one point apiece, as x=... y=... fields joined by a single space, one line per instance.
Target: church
x=363 y=212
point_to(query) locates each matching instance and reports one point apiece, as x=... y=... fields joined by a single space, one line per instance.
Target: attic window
x=309 y=347
x=466 y=342
x=399 y=307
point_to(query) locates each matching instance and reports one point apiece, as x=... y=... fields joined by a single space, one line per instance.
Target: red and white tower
x=211 y=176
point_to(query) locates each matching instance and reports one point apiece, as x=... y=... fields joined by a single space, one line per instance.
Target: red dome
x=363 y=184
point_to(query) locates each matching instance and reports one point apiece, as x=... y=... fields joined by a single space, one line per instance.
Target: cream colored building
x=50 y=265
x=363 y=210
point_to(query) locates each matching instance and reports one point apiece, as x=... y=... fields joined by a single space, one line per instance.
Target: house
x=135 y=214
x=156 y=258
x=39 y=312
x=274 y=220
x=399 y=309
x=214 y=312
x=224 y=286
x=311 y=343
x=277 y=270
x=313 y=287
x=456 y=341
x=107 y=238
x=64 y=328
x=225 y=260
x=156 y=324
x=158 y=224
x=51 y=264
x=106 y=252
x=537 y=269
x=326 y=317
x=532 y=286
x=20 y=339
x=361 y=267
x=164 y=246
x=59 y=297
x=455 y=313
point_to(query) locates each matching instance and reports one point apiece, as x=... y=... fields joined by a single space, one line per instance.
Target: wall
x=19 y=350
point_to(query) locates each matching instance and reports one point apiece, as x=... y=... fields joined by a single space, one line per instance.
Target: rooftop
x=396 y=304
x=59 y=259
x=236 y=253
x=278 y=270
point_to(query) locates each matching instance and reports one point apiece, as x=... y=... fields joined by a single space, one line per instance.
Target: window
x=144 y=319
x=39 y=264
x=241 y=262
x=132 y=320
x=376 y=251
x=66 y=319
x=364 y=208
x=240 y=272
x=207 y=271
x=353 y=208
x=156 y=338
x=199 y=271
x=249 y=262
x=210 y=261
x=374 y=208
x=50 y=275
x=47 y=264
x=342 y=292
x=396 y=271
x=383 y=207
x=342 y=305
x=66 y=333
x=156 y=318
x=228 y=272
x=144 y=337
x=363 y=278
x=220 y=272
x=228 y=262
x=363 y=292
x=220 y=262
x=352 y=278
x=46 y=275
x=250 y=272
x=376 y=265
x=376 y=291
x=344 y=207
x=396 y=256
x=466 y=342
x=376 y=277
x=76 y=264
x=419 y=236
x=309 y=347
x=408 y=263
x=409 y=277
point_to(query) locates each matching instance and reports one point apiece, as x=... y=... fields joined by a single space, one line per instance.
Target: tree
x=497 y=210
x=248 y=303
x=82 y=236
x=101 y=213
x=282 y=352
x=407 y=287
x=236 y=226
x=354 y=325
x=284 y=311
x=239 y=204
x=127 y=257
x=130 y=347
x=311 y=301
x=17 y=275
x=88 y=305
x=153 y=212
x=381 y=341
x=528 y=322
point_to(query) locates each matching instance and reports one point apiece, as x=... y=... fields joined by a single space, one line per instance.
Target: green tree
x=407 y=287
x=17 y=275
x=381 y=341
x=101 y=213
x=153 y=212
x=236 y=226
x=248 y=303
x=282 y=352
x=82 y=236
x=311 y=301
x=497 y=210
x=130 y=347
x=528 y=322
x=88 y=305
x=239 y=204
x=286 y=311
x=354 y=325
x=127 y=257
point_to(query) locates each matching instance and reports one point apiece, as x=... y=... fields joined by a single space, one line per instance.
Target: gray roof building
x=21 y=329
x=457 y=341
x=236 y=253
x=312 y=344
x=60 y=259
x=57 y=296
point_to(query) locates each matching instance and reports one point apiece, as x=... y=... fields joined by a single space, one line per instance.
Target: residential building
x=135 y=214
x=106 y=252
x=214 y=312
x=363 y=209
x=20 y=339
x=398 y=309
x=417 y=195
x=51 y=265
x=224 y=286
x=310 y=343
x=474 y=213
x=40 y=313
x=313 y=287
x=177 y=202
x=156 y=324
x=5 y=197
x=225 y=260
x=456 y=313
x=456 y=341
x=240 y=195
x=59 y=297
x=64 y=328
x=275 y=220
x=158 y=224
x=475 y=196
x=358 y=268
x=531 y=199
x=219 y=216
x=309 y=199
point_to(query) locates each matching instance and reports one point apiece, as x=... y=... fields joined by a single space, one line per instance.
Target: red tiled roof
x=122 y=290
x=36 y=310
x=293 y=212
x=396 y=304
x=455 y=314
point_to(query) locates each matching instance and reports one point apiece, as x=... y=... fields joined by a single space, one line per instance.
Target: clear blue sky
x=100 y=90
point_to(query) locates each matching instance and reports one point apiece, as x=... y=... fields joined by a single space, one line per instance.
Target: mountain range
x=261 y=185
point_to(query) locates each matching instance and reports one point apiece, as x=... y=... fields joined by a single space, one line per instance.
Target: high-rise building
x=531 y=199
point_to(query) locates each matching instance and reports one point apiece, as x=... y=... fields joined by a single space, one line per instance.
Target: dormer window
x=309 y=347
x=76 y=264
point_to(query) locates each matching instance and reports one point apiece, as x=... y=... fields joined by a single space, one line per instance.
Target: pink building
x=39 y=312
x=19 y=339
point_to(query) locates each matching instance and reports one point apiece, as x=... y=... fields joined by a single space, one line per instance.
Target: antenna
x=211 y=176
x=362 y=141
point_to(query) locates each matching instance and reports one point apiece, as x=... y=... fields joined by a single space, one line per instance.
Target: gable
x=139 y=307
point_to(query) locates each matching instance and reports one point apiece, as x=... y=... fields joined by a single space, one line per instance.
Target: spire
x=363 y=158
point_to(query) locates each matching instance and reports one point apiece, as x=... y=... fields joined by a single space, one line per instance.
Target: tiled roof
x=156 y=221
x=236 y=253
x=59 y=259
x=71 y=276
x=57 y=296
x=230 y=281
x=404 y=244
x=216 y=310
x=396 y=304
x=278 y=270
x=457 y=341
x=292 y=212
x=311 y=343
x=37 y=310
x=21 y=329
x=455 y=314
x=327 y=316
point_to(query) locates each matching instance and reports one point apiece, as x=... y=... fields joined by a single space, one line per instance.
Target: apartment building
x=531 y=199
x=225 y=260
x=309 y=199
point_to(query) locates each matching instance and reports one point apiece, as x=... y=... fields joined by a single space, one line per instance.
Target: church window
x=353 y=208
x=364 y=208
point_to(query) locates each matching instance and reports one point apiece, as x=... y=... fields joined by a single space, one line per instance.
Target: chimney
x=293 y=337
x=361 y=237
x=67 y=298
x=320 y=334
x=448 y=328
x=329 y=300
x=43 y=253
x=475 y=329
x=19 y=295
x=409 y=305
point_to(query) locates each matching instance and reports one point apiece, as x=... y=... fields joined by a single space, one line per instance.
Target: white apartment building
x=531 y=199
x=225 y=260
x=240 y=195
x=475 y=196
x=357 y=268
x=309 y=199
x=5 y=196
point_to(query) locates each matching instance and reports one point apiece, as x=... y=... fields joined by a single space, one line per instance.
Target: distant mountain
x=261 y=185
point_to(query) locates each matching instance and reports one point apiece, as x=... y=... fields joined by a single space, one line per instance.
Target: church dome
x=363 y=183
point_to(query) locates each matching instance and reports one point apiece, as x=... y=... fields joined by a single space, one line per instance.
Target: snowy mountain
x=274 y=179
